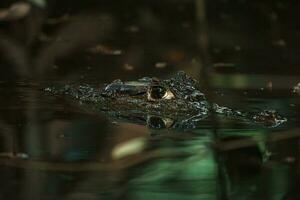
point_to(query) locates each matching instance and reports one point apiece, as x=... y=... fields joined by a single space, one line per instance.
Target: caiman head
x=165 y=101
x=174 y=102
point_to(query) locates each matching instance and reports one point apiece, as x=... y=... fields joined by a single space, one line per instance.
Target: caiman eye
x=159 y=92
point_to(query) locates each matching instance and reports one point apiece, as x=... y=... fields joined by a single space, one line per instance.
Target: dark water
x=244 y=54
x=52 y=149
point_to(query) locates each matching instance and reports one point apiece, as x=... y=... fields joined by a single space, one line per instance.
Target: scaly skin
x=177 y=102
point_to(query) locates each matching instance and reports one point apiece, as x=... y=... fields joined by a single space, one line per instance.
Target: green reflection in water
x=192 y=177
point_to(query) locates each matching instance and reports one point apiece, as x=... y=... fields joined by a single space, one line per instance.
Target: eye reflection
x=155 y=122
x=158 y=92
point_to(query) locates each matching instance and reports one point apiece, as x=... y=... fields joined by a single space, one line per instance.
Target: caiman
x=176 y=102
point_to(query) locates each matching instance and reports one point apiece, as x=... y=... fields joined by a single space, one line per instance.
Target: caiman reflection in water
x=171 y=103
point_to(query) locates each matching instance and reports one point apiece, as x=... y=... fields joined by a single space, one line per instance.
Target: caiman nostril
x=197 y=96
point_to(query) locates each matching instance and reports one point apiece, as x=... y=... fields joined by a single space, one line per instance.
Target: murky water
x=54 y=149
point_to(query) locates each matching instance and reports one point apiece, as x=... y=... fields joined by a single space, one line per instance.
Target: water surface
x=54 y=149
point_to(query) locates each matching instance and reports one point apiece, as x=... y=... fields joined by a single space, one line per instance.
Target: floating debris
x=132 y=29
x=128 y=67
x=229 y=65
x=62 y=19
x=280 y=43
x=216 y=50
x=270 y=85
x=106 y=50
x=55 y=67
x=296 y=89
x=16 y=11
x=290 y=159
x=14 y=155
x=39 y=3
x=44 y=38
x=88 y=67
x=237 y=48
x=160 y=65
x=22 y=155
x=131 y=147
x=174 y=56
x=185 y=24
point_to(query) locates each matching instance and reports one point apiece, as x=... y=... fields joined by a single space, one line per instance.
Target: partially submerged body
x=176 y=102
